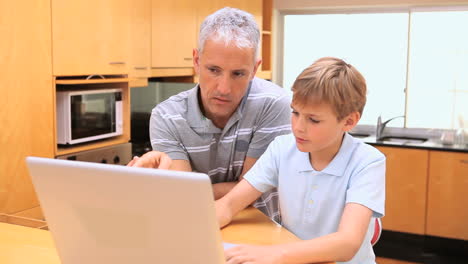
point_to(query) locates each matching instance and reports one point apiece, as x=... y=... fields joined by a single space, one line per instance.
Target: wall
x=283 y=5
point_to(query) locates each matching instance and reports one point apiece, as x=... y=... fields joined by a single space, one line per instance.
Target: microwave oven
x=88 y=115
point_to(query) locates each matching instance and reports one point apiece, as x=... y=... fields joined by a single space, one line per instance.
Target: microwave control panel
x=118 y=154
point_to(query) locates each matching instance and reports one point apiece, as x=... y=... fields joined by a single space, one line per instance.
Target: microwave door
x=93 y=116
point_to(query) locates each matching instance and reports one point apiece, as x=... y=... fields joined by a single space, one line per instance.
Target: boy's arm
x=222 y=188
x=339 y=246
x=237 y=199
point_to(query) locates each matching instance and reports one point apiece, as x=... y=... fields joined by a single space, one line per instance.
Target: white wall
x=283 y=5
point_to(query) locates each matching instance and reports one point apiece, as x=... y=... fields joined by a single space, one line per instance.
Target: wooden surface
x=19 y=244
x=252 y=227
x=33 y=213
x=90 y=37
x=173 y=33
x=406 y=190
x=23 y=245
x=140 y=40
x=447 y=205
x=26 y=101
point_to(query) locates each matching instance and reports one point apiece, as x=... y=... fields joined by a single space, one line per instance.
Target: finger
x=132 y=162
x=165 y=162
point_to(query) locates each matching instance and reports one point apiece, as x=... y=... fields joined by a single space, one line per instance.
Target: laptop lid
x=100 y=213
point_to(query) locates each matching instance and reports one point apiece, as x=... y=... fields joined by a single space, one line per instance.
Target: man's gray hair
x=230 y=25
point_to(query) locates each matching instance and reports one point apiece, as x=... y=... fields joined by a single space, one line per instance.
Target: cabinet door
x=406 y=184
x=207 y=7
x=173 y=33
x=447 y=211
x=140 y=39
x=90 y=36
x=26 y=101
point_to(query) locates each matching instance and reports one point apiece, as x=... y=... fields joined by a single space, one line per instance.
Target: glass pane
x=92 y=114
x=376 y=44
x=438 y=72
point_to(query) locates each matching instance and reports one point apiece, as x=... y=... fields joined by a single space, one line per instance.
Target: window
x=407 y=74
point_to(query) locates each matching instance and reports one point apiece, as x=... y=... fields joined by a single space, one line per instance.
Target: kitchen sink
x=404 y=140
x=359 y=135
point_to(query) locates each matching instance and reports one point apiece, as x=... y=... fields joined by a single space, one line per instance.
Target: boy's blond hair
x=332 y=81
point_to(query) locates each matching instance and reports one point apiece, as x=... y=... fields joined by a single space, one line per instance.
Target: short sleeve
x=367 y=187
x=263 y=176
x=164 y=137
x=275 y=121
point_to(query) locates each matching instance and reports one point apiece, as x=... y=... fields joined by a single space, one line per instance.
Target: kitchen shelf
x=91 y=81
x=92 y=145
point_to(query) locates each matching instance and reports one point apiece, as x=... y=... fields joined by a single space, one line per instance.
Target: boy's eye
x=294 y=112
x=315 y=121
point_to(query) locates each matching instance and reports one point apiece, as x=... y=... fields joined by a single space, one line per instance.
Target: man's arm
x=159 y=160
x=222 y=188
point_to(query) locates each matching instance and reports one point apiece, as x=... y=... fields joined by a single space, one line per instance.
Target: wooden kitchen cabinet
x=90 y=37
x=140 y=43
x=447 y=205
x=406 y=185
x=207 y=7
x=27 y=98
x=173 y=35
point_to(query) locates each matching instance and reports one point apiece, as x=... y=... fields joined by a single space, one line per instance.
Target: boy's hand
x=254 y=254
x=152 y=159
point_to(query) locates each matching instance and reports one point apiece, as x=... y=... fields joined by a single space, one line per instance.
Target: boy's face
x=316 y=128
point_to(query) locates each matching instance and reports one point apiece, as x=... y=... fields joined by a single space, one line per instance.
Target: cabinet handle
x=117 y=62
x=140 y=68
x=188 y=59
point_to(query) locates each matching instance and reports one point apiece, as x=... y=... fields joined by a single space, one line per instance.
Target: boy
x=329 y=184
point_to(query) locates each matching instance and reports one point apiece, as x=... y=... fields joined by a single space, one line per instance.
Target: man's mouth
x=221 y=99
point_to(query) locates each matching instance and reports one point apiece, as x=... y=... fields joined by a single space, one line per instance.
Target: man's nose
x=224 y=85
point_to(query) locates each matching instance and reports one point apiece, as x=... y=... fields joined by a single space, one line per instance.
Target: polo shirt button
x=311 y=201
x=314 y=187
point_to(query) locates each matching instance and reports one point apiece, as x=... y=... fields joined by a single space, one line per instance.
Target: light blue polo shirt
x=312 y=202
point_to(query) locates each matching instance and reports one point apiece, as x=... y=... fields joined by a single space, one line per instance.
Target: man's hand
x=152 y=159
x=254 y=254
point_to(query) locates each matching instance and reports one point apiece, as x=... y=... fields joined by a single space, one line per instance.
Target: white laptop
x=100 y=213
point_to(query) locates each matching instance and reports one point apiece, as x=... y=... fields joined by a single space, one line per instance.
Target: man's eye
x=294 y=112
x=213 y=70
x=238 y=74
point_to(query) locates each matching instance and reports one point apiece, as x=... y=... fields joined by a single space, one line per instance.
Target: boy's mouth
x=300 y=140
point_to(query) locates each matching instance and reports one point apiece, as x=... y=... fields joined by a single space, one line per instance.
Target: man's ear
x=351 y=121
x=196 y=61
x=256 y=66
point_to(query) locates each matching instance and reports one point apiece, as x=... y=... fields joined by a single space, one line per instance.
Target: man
x=224 y=124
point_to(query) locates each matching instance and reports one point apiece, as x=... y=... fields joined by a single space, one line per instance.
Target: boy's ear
x=351 y=121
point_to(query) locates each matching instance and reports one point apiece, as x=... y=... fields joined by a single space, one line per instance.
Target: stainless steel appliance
x=117 y=154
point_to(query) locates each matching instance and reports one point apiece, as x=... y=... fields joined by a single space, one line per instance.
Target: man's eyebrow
x=212 y=66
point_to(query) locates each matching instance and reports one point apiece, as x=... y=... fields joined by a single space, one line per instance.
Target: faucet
x=381 y=126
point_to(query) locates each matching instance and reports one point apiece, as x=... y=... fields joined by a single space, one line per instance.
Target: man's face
x=225 y=73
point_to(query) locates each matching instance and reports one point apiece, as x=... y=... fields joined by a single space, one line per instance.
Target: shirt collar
x=195 y=117
x=339 y=163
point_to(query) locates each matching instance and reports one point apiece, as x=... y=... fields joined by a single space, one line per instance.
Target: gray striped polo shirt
x=179 y=128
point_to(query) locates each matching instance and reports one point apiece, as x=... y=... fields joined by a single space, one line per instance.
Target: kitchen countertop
x=429 y=144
